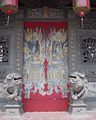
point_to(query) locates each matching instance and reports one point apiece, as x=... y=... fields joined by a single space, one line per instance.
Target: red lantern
x=9 y=6
x=81 y=7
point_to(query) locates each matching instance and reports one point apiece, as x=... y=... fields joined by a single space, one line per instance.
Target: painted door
x=45 y=68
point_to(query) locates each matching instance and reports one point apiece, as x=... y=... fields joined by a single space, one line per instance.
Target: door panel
x=45 y=66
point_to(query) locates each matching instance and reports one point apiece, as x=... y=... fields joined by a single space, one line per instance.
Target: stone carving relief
x=87 y=51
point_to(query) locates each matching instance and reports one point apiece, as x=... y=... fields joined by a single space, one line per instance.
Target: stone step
x=50 y=116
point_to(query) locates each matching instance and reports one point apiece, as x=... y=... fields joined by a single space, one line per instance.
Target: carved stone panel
x=88 y=50
x=6 y=52
x=4 y=49
x=86 y=53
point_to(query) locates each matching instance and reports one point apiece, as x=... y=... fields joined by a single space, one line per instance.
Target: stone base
x=2 y=104
x=77 y=108
x=13 y=109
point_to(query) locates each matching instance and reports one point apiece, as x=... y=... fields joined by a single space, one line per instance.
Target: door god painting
x=45 y=59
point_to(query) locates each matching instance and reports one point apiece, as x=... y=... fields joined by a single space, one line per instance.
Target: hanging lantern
x=81 y=7
x=9 y=7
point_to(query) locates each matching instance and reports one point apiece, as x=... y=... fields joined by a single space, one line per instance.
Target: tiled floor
x=50 y=116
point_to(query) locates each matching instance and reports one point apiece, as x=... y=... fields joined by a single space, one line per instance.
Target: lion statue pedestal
x=13 y=108
x=75 y=108
x=78 y=91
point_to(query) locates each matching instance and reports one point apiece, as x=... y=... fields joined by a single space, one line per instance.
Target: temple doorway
x=45 y=71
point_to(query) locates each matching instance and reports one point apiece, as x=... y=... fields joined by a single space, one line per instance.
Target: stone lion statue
x=78 y=86
x=13 y=86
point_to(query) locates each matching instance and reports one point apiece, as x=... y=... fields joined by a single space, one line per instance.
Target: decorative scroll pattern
x=45 y=13
x=55 y=13
x=4 y=49
x=35 y=13
x=50 y=45
x=88 y=50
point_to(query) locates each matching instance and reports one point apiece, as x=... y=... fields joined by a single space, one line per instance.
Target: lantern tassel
x=8 y=20
x=82 y=20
